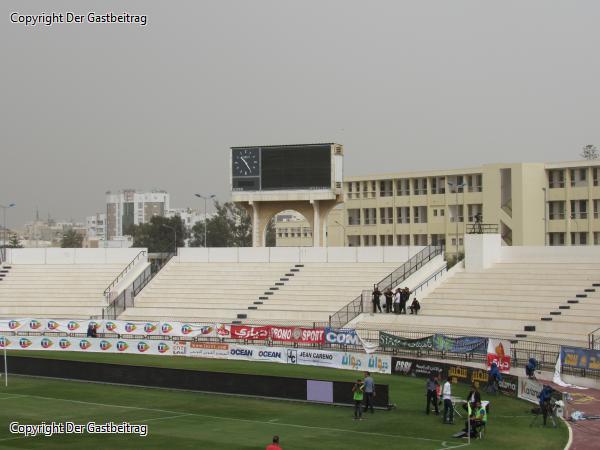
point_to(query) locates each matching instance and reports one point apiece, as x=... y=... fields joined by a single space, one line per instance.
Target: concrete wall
x=581 y=254
x=297 y=254
x=481 y=251
x=72 y=255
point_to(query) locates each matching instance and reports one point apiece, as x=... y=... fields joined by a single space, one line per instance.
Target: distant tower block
x=306 y=178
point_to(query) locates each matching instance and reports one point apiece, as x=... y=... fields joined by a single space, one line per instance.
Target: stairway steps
x=263 y=298
x=274 y=288
x=529 y=328
x=572 y=301
x=564 y=307
x=546 y=319
x=521 y=336
x=289 y=274
x=555 y=313
x=589 y=290
x=299 y=265
x=242 y=316
x=581 y=295
x=252 y=307
x=279 y=284
x=268 y=293
x=284 y=279
x=258 y=303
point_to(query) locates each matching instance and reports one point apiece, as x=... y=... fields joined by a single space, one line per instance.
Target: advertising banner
x=392 y=341
x=99 y=345
x=580 y=358
x=459 y=374
x=121 y=327
x=343 y=336
x=249 y=332
x=499 y=352
x=339 y=360
x=297 y=334
x=466 y=344
x=529 y=389
x=205 y=349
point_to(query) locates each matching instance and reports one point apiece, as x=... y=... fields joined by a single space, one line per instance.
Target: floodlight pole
x=210 y=196
x=344 y=241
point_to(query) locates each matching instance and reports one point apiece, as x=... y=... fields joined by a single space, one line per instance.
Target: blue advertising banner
x=344 y=336
x=466 y=344
x=580 y=358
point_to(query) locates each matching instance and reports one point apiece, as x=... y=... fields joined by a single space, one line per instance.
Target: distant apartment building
x=48 y=233
x=96 y=226
x=128 y=207
x=189 y=216
x=529 y=203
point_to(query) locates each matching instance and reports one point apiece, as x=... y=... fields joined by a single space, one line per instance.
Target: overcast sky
x=403 y=85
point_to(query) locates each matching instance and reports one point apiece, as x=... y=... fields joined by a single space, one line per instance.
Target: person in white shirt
x=447 y=397
x=397 y=301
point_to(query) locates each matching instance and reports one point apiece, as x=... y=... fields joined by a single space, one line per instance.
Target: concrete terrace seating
x=560 y=299
x=264 y=292
x=55 y=290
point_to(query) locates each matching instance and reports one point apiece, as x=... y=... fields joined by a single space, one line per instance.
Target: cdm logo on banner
x=342 y=336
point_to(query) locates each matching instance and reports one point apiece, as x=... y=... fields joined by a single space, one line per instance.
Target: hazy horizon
x=404 y=86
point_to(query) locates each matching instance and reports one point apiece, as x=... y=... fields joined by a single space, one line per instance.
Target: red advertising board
x=297 y=334
x=499 y=353
x=249 y=332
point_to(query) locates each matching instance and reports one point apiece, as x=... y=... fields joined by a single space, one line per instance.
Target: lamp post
x=456 y=187
x=175 y=234
x=4 y=208
x=205 y=198
x=344 y=240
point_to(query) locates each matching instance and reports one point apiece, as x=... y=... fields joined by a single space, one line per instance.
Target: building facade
x=128 y=207
x=96 y=226
x=529 y=203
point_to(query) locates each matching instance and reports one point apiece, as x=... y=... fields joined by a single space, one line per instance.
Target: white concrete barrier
x=71 y=255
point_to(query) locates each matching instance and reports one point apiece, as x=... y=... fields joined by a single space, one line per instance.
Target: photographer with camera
x=547 y=404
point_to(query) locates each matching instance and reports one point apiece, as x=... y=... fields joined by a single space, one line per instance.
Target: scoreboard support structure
x=306 y=178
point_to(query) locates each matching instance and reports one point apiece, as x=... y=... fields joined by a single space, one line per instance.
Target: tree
x=589 y=152
x=230 y=226
x=158 y=235
x=270 y=238
x=71 y=239
x=13 y=242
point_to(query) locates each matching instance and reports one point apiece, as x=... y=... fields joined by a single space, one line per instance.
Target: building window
x=420 y=239
x=403 y=239
x=578 y=177
x=420 y=186
x=556 y=239
x=402 y=187
x=369 y=240
x=386 y=188
x=474 y=211
x=386 y=215
x=420 y=214
x=556 y=210
x=456 y=213
x=386 y=240
x=354 y=241
x=579 y=238
x=403 y=214
x=438 y=185
x=435 y=213
x=354 y=216
x=438 y=239
x=578 y=209
x=596 y=238
x=370 y=215
x=556 y=179
x=596 y=209
x=595 y=175
x=453 y=181
x=474 y=183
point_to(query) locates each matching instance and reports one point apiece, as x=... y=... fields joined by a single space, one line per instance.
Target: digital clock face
x=245 y=162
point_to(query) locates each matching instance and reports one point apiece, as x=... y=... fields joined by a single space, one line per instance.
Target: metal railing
x=434 y=277
x=482 y=228
x=126 y=299
x=594 y=339
x=357 y=306
x=123 y=272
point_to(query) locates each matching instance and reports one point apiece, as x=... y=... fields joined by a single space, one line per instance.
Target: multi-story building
x=529 y=203
x=128 y=207
x=96 y=226
x=189 y=216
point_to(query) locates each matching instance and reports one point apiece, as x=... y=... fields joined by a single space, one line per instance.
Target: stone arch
x=298 y=225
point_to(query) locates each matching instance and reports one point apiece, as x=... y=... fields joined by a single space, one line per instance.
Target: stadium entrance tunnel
x=271 y=387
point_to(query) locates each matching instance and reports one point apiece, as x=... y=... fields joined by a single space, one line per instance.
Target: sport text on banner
x=580 y=358
x=297 y=334
x=389 y=340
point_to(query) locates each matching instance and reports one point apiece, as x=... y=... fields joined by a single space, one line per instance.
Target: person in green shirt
x=477 y=417
x=358 y=394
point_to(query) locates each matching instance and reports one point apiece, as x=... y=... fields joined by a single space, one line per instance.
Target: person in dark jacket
x=415 y=306
x=473 y=397
x=404 y=296
x=530 y=368
x=388 y=300
x=432 y=397
x=91 y=330
x=494 y=377
x=376 y=295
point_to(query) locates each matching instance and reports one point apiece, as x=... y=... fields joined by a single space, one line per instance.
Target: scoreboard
x=286 y=167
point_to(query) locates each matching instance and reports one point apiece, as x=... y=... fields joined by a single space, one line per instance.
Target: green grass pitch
x=187 y=420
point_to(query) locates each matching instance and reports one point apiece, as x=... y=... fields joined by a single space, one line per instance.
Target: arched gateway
x=307 y=178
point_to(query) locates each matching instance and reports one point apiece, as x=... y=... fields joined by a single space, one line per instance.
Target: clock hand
x=243 y=159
